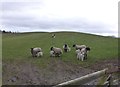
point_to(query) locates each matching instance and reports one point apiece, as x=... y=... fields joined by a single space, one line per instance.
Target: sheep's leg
x=77 y=57
x=65 y=50
x=82 y=58
x=85 y=58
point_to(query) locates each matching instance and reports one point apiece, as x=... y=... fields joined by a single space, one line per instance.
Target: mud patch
x=56 y=72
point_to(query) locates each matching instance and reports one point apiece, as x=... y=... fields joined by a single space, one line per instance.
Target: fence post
x=83 y=79
x=108 y=81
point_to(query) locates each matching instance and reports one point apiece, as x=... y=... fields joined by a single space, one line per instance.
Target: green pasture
x=16 y=47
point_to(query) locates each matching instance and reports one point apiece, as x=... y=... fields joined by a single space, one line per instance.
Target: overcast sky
x=88 y=16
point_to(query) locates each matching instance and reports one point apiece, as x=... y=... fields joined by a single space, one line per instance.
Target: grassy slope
x=17 y=46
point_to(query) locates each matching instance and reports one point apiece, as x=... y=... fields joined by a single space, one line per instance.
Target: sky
x=87 y=16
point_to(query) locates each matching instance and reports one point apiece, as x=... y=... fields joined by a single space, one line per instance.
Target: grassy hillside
x=16 y=47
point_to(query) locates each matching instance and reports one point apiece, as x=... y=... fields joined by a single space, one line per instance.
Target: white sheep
x=39 y=54
x=52 y=53
x=57 y=51
x=77 y=51
x=53 y=35
x=36 y=52
x=66 y=48
x=79 y=46
x=80 y=56
x=84 y=51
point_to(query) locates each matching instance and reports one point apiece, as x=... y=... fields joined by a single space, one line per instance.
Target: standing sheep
x=80 y=56
x=66 y=48
x=57 y=51
x=36 y=52
x=79 y=46
x=53 y=35
x=84 y=51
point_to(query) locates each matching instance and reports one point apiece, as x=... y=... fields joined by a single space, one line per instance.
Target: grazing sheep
x=52 y=54
x=57 y=51
x=66 y=48
x=35 y=52
x=79 y=46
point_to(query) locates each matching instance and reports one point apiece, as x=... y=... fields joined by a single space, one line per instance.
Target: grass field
x=16 y=47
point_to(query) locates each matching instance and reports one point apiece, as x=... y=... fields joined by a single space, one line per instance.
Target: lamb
x=57 y=51
x=80 y=56
x=36 y=52
x=52 y=54
x=79 y=46
x=66 y=48
x=39 y=54
x=77 y=51
x=84 y=51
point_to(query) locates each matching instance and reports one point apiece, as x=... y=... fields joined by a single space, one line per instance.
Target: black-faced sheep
x=53 y=35
x=66 y=48
x=82 y=54
x=79 y=46
x=36 y=52
x=57 y=51
x=84 y=51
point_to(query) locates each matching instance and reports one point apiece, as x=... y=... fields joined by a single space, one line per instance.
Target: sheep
x=79 y=46
x=66 y=48
x=77 y=51
x=52 y=54
x=53 y=35
x=57 y=51
x=84 y=51
x=35 y=52
x=39 y=54
x=80 y=56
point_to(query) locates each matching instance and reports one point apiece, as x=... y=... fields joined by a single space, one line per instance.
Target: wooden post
x=83 y=79
x=108 y=81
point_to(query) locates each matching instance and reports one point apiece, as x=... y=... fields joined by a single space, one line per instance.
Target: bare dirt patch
x=56 y=72
x=112 y=65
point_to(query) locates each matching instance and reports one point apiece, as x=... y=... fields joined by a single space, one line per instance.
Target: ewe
x=79 y=46
x=66 y=48
x=57 y=51
x=36 y=52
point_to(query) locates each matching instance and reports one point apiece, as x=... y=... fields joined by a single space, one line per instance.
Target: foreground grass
x=16 y=47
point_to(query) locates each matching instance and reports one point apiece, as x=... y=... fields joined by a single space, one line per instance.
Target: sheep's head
x=31 y=50
x=65 y=45
x=88 y=48
x=74 y=45
x=51 y=48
